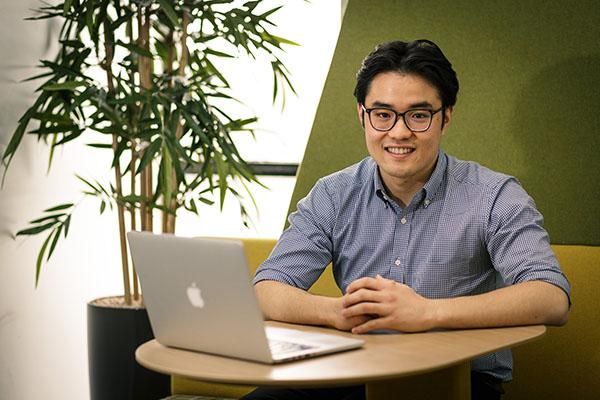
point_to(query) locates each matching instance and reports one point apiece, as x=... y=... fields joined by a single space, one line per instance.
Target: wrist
x=329 y=311
x=435 y=317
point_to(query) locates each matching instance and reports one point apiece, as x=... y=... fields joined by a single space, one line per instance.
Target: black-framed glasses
x=416 y=120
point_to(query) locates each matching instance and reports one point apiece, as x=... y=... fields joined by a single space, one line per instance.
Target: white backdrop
x=43 y=351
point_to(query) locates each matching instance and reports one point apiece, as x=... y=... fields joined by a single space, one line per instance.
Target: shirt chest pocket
x=451 y=279
x=453 y=266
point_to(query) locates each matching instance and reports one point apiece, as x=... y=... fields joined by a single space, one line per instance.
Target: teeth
x=399 y=150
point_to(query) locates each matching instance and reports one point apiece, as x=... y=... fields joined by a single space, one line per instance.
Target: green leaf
x=33 y=78
x=149 y=154
x=47 y=217
x=53 y=129
x=89 y=17
x=222 y=172
x=76 y=44
x=100 y=145
x=206 y=201
x=17 y=136
x=167 y=174
x=67 y=224
x=102 y=207
x=83 y=96
x=89 y=184
x=169 y=11
x=195 y=127
x=38 y=264
x=67 y=85
x=68 y=138
x=136 y=49
x=60 y=207
x=251 y=4
x=192 y=207
x=218 y=53
x=52 y=117
x=36 y=229
x=284 y=40
x=57 y=233
x=267 y=13
x=67 y=7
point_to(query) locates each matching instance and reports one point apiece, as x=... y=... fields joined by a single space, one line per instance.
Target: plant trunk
x=109 y=48
x=170 y=217
x=145 y=71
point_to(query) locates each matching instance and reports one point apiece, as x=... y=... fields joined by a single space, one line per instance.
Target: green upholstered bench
x=564 y=364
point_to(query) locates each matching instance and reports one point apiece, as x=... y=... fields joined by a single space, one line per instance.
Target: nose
x=400 y=130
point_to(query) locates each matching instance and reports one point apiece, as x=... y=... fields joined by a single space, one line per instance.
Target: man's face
x=406 y=159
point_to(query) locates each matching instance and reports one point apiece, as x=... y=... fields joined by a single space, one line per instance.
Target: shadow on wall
x=556 y=121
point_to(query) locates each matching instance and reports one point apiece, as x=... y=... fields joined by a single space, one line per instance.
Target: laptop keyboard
x=282 y=347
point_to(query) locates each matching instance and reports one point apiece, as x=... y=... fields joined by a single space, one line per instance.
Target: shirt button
x=397 y=262
x=426 y=202
x=403 y=220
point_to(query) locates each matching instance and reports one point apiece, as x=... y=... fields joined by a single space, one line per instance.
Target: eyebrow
x=422 y=104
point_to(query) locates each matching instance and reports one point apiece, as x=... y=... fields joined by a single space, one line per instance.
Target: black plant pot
x=114 y=333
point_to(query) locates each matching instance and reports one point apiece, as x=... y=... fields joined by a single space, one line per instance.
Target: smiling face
x=406 y=159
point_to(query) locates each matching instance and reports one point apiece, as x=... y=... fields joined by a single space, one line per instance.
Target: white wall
x=42 y=332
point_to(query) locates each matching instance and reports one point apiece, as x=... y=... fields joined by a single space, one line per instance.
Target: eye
x=382 y=113
x=419 y=115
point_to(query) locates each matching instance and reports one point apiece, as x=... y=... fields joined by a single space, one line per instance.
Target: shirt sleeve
x=517 y=242
x=305 y=248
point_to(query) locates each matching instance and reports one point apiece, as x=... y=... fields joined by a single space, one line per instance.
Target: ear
x=447 y=118
x=361 y=114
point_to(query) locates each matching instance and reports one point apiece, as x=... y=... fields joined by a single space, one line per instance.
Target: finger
x=358 y=320
x=363 y=283
x=360 y=296
x=371 y=325
x=370 y=309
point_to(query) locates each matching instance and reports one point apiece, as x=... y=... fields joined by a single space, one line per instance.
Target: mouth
x=399 y=150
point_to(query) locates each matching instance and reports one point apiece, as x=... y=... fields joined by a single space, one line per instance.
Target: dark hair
x=419 y=57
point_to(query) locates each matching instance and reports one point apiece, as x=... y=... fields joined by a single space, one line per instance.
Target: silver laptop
x=199 y=297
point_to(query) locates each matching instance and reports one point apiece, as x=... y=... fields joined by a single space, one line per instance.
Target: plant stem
x=171 y=217
x=109 y=48
x=133 y=184
x=145 y=71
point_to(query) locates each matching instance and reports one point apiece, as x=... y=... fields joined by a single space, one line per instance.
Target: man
x=418 y=239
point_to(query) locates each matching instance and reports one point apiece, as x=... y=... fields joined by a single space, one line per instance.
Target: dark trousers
x=483 y=387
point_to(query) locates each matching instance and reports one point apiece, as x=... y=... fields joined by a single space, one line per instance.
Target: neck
x=402 y=190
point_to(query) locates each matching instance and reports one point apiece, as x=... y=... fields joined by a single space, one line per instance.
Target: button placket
x=402 y=238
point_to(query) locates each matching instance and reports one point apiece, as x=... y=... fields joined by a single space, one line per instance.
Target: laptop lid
x=199 y=296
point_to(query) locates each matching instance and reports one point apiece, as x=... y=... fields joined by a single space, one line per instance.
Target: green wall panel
x=529 y=103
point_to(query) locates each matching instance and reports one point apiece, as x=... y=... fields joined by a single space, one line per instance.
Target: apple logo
x=194 y=295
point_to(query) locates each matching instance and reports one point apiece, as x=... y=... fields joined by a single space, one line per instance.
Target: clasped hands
x=380 y=303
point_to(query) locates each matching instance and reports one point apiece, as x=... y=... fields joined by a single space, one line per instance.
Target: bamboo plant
x=140 y=79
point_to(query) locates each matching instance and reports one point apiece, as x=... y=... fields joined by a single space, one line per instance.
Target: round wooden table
x=426 y=365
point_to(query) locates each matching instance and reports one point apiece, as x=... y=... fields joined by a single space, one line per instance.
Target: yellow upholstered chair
x=565 y=363
x=257 y=250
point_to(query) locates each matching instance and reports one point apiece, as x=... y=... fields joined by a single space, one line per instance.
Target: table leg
x=452 y=383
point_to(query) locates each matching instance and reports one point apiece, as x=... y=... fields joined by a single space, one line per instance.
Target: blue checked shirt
x=468 y=231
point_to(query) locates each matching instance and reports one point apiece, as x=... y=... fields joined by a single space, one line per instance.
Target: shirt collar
x=432 y=186
x=429 y=189
x=378 y=186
